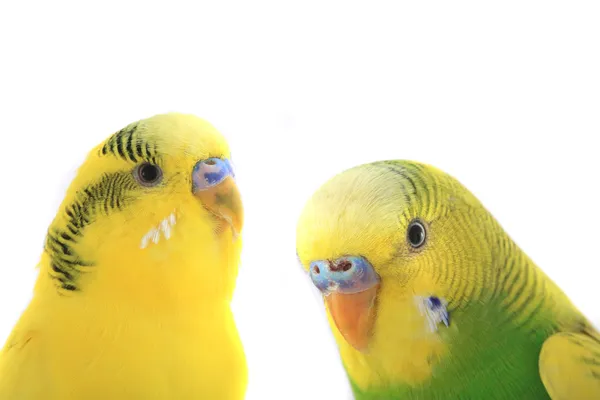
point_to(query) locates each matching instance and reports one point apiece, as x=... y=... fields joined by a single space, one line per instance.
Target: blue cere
x=351 y=274
x=210 y=172
x=320 y=280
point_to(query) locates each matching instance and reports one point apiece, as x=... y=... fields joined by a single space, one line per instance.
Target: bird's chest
x=127 y=362
x=487 y=372
x=461 y=357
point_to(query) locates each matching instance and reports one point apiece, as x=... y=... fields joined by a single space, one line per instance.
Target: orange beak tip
x=224 y=201
x=354 y=316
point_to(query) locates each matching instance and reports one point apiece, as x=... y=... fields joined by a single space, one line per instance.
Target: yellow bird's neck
x=178 y=342
x=178 y=284
x=142 y=266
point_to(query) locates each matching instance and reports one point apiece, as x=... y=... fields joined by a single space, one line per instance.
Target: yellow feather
x=570 y=366
x=150 y=317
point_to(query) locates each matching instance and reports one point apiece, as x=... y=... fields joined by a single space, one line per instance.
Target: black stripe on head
x=407 y=183
x=128 y=145
x=110 y=194
x=394 y=167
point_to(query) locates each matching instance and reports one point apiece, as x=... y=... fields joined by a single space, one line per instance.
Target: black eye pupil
x=416 y=234
x=148 y=173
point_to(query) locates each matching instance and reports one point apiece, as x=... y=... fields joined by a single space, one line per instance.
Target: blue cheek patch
x=434 y=310
x=346 y=275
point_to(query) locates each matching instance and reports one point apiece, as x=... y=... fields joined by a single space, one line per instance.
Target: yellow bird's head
x=153 y=216
x=378 y=237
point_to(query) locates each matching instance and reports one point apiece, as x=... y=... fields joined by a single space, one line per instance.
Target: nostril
x=316 y=270
x=345 y=265
x=341 y=266
x=210 y=162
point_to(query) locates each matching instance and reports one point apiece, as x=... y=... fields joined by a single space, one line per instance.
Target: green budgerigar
x=429 y=298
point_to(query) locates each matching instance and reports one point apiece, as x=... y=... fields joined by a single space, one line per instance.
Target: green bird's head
x=393 y=246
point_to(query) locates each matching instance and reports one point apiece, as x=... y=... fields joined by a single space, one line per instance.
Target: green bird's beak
x=354 y=315
x=349 y=285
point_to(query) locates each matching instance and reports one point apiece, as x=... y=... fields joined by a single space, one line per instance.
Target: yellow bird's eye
x=148 y=174
x=416 y=234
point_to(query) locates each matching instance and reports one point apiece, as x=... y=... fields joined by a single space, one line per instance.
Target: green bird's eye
x=148 y=174
x=416 y=234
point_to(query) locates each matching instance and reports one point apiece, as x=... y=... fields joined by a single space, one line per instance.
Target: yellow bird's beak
x=349 y=285
x=214 y=185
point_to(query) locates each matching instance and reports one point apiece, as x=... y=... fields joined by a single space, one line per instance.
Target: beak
x=354 y=315
x=214 y=185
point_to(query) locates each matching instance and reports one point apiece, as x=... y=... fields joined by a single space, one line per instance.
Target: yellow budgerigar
x=429 y=298
x=138 y=271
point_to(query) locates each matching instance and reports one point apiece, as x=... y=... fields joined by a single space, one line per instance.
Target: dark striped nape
x=102 y=197
x=129 y=145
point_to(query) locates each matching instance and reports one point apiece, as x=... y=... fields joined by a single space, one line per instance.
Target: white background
x=503 y=95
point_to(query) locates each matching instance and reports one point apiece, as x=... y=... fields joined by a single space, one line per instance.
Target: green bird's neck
x=490 y=348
